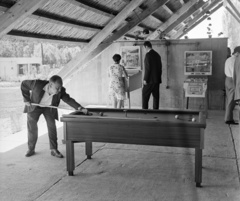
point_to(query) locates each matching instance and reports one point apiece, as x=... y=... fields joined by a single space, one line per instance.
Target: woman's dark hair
x=116 y=57
x=147 y=44
x=56 y=79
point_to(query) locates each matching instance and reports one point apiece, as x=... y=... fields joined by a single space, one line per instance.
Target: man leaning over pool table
x=46 y=93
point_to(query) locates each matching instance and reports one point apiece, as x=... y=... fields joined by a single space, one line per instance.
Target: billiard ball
x=101 y=113
x=176 y=116
x=193 y=119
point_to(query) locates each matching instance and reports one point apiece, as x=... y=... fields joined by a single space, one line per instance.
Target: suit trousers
x=146 y=93
x=230 y=103
x=32 y=120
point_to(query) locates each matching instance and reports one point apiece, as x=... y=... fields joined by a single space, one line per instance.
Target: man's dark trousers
x=230 y=103
x=146 y=93
x=32 y=119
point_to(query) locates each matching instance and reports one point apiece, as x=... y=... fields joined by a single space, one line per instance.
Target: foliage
x=53 y=54
x=231 y=26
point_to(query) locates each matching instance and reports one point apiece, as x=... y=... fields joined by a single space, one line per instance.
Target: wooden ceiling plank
x=171 y=20
x=182 y=2
x=87 y=7
x=3 y=9
x=198 y=19
x=167 y=9
x=42 y=16
x=77 y=64
x=234 y=8
x=63 y=22
x=17 y=13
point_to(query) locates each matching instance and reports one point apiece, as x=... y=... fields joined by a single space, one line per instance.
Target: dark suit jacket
x=32 y=91
x=153 y=67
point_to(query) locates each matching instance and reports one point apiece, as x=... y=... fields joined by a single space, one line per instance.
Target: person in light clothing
x=229 y=87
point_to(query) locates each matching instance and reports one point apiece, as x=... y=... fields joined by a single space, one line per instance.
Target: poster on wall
x=195 y=87
x=198 y=63
x=131 y=57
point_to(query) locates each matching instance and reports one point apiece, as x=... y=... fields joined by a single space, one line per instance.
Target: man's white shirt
x=229 y=66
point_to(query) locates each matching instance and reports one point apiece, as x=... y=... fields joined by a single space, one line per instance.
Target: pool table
x=164 y=127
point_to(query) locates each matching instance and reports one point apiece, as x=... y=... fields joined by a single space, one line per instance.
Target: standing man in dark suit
x=152 y=76
x=45 y=93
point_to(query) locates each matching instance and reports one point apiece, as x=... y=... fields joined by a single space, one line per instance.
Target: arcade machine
x=197 y=68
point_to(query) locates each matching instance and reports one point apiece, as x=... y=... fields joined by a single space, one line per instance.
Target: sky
x=200 y=31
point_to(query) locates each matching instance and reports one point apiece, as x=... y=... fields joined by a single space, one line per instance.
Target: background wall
x=90 y=86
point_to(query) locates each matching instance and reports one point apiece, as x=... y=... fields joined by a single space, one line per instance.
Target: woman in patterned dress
x=116 y=72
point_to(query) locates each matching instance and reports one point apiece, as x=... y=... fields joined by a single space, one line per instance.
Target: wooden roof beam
x=234 y=8
x=56 y=19
x=106 y=31
x=171 y=20
x=17 y=13
x=198 y=19
x=184 y=16
x=86 y=6
x=236 y=15
x=76 y=65
x=45 y=38
x=140 y=7
x=233 y=14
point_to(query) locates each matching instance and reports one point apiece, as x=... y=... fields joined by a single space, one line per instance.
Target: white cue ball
x=193 y=119
x=176 y=116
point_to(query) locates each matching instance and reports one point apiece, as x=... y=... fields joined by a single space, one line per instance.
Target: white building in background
x=16 y=69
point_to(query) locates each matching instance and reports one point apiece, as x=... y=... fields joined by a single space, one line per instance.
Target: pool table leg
x=88 y=149
x=70 y=157
x=198 y=167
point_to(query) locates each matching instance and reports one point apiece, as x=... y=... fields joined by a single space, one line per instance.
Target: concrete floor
x=123 y=172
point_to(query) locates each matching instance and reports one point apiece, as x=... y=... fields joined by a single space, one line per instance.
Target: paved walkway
x=123 y=172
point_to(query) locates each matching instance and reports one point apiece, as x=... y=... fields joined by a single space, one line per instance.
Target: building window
x=22 y=69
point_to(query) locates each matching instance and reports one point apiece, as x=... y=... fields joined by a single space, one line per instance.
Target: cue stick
x=55 y=107
x=50 y=106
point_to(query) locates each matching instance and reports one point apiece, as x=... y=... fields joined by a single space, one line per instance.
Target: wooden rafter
x=184 y=16
x=171 y=20
x=113 y=24
x=17 y=13
x=76 y=65
x=45 y=38
x=198 y=19
x=56 y=19
x=234 y=8
x=234 y=12
x=86 y=6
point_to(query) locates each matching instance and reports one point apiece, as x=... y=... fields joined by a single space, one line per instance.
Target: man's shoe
x=231 y=122
x=55 y=152
x=30 y=153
